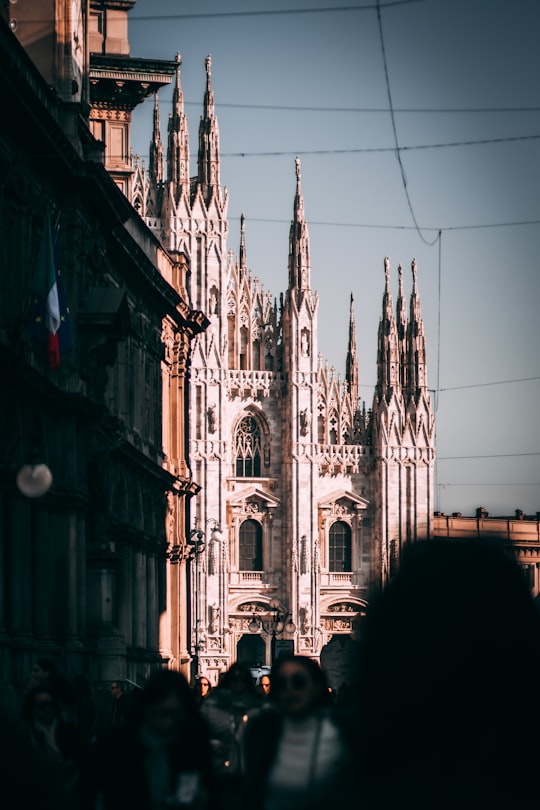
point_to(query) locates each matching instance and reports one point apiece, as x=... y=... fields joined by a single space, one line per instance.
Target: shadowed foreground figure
x=446 y=713
x=294 y=751
x=161 y=758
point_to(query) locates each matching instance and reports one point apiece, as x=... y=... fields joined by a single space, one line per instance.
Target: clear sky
x=456 y=82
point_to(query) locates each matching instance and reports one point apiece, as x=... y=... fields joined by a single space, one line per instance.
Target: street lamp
x=196 y=540
x=275 y=624
x=34 y=478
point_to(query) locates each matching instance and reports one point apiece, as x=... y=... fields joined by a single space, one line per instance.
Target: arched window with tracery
x=339 y=547
x=250 y=546
x=247 y=448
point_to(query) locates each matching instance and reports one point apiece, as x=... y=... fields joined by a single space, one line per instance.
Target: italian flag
x=48 y=284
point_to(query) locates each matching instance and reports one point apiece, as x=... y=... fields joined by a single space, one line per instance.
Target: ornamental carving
x=343 y=607
x=336 y=625
x=252 y=508
x=252 y=607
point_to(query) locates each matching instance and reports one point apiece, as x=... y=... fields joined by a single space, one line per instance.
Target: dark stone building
x=83 y=568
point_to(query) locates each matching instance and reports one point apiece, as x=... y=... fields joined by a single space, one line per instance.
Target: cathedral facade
x=306 y=496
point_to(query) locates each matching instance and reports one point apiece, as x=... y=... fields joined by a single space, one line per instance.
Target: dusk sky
x=454 y=84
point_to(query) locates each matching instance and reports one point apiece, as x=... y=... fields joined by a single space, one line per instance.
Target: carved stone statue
x=214 y=619
x=305 y=421
x=306 y=619
x=211 y=415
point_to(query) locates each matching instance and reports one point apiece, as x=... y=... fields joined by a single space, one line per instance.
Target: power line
x=384 y=110
x=494 y=455
x=394 y=130
x=483 y=385
x=397 y=149
x=392 y=227
x=490 y=484
x=268 y=12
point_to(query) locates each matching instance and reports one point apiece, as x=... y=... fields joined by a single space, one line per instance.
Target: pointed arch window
x=250 y=546
x=247 y=448
x=339 y=547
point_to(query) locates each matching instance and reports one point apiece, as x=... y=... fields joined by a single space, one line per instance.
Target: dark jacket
x=117 y=770
x=261 y=743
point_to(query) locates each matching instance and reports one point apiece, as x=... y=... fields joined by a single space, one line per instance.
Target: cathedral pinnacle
x=208 y=158
x=178 y=140
x=242 y=257
x=156 y=150
x=299 y=262
x=351 y=366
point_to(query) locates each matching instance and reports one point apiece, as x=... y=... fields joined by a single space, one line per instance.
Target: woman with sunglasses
x=295 y=754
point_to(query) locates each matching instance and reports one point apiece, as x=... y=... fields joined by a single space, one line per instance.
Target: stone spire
x=242 y=254
x=416 y=343
x=401 y=324
x=155 y=167
x=299 y=266
x=208 y=160
x=351 y=366
x=178 y=139
x=388 y=353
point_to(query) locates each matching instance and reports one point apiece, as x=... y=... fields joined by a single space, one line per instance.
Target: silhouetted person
x=446 y=708
x=121 y=705
x=226 y=711
x=161 y=758
x=59 y=744
x=202 y=689
x=45 y=671
x=26 y=778
x=264 y=688
x=294 y=753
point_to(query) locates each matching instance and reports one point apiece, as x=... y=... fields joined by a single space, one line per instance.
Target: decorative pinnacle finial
x=208 y=64
x=178 y=58
x=297 y=163
x=413 y=268
x=387 y=268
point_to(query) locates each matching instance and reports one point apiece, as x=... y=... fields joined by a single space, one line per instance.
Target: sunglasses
x=297 y=681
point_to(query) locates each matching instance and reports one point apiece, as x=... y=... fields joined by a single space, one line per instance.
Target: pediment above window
x=252 y=500
x=343 y=502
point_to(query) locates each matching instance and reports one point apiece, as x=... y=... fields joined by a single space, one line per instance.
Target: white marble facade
x=314 y=492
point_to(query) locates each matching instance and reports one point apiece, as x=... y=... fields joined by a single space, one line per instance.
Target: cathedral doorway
x=251 y=650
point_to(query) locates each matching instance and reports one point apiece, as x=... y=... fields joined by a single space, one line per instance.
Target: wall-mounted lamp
x=34 y=478
x=196 y=539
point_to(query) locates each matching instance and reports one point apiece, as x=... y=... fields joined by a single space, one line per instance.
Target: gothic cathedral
x=306 y=497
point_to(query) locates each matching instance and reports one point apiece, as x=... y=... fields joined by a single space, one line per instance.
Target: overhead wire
x=267 y=12
x=397 y=149
x=394 y=130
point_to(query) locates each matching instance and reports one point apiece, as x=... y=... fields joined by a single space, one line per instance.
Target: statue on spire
x=387 y=269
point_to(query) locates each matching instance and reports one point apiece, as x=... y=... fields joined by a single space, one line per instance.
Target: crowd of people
x=441 y=713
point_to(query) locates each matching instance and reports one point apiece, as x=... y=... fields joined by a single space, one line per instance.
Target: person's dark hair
x=238 y=670
x=312 y=669
x=27 y=709
x=198 y=684
x=159 y=686
x=446 y=651
x=47 y=665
